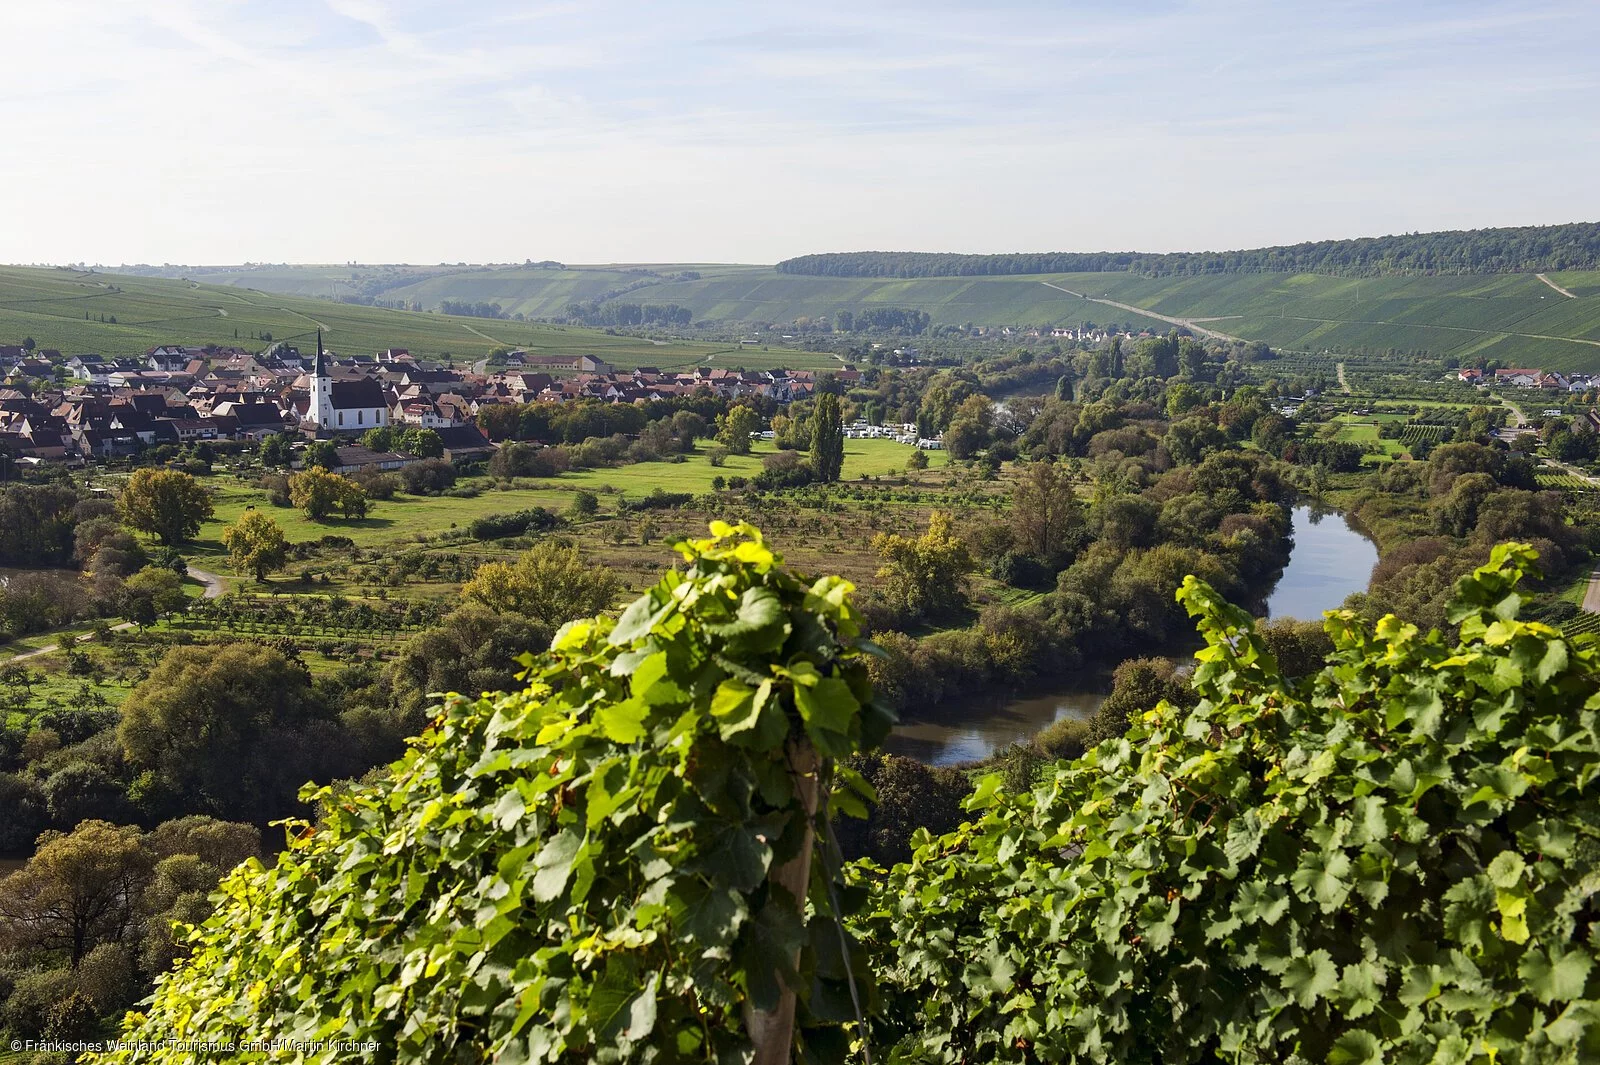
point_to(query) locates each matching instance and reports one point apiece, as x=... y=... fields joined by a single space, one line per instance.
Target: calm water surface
x=1328 y=561
x=973 y=729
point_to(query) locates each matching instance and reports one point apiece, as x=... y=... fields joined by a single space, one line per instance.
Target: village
x=73 y=409
x=1549 y=380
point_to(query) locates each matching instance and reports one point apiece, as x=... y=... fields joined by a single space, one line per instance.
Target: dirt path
x=1516 y=412
x=486 y=336
x=214 y=588
x=53 y=648
x=1187 y=323
x=213 y=583
x=328 y=329
x=1344 y=386
x=1591 y=595
x=1558 y=288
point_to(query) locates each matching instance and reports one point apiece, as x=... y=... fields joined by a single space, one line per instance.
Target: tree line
x=597 y=312
x=1575 y=246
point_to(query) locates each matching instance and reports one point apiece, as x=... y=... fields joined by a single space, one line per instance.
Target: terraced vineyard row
x=1566 y=482
x=1423 y=433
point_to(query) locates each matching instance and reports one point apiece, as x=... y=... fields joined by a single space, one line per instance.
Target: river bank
x=1331 y=557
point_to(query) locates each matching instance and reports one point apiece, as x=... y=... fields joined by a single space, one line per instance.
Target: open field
x=63 y=309
x=406 y=518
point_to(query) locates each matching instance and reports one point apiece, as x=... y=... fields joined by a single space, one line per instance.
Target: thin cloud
x=387 y=130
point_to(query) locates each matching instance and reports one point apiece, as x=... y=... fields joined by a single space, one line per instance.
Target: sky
x=227 y=131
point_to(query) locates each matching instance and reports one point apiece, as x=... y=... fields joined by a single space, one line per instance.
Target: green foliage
x=827 y=438
x=1472 y=251
x=231 y=730
x=150 y=593
x=594 y=868
x=1392 y=860
x=735 y=427
x=925 y=576
x=255 y=544
x=319 y=493
x=164 y=503
x=549 y=583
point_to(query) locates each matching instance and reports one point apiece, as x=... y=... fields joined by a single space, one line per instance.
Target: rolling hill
x=112 y=314
x=1528 y=295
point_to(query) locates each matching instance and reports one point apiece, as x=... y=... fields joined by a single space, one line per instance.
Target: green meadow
x=409 y=518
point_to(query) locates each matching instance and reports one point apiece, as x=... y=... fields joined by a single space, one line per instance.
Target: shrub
x=910 y=796
x=520 y=523
x=657 y=500
x=429 y=477
x=625 y=868
x=27 y=1011
x=1389 y=861
x=377 y=485
x=527 y=460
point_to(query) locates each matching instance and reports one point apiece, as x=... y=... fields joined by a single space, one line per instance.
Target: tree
x=78 y=890
x=1046 y=515
x=423 y=443
x=736 y=427
x=550 y=583
x=970 y=427
x=151 y=593
x=319 y=493
x=231 y=730
x=323 y=454
x=430 y=476
x=827 y=438
x=169 y=505
x=926 y=576
x=1193 y=438
x=255 y=544
x=585 y=504
x=918 y=460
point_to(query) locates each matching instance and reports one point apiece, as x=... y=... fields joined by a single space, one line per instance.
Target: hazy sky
x=220 y=131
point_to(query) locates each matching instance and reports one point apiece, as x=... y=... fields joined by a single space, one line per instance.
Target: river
x=1329 y=560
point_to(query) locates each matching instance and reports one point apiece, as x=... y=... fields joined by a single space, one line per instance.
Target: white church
x=348 y=406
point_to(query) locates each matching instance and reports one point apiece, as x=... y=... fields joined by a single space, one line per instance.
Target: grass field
x=63 y=309
x=406 y=518
x=1512 y=317
x=1363 y=429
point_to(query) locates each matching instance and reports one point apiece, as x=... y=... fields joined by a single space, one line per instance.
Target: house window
x=341 y=417
x=361 y=417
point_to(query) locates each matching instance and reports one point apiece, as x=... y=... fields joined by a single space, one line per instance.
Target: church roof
x=360 y=393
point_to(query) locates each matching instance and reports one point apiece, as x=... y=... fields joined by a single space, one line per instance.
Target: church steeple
x=321 y=367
